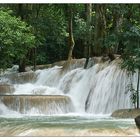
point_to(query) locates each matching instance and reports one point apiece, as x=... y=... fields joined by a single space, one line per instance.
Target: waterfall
x=109 y=93
x=100 y=89
x=49 y=77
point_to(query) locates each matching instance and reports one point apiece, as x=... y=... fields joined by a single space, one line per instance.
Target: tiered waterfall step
x=38 y=104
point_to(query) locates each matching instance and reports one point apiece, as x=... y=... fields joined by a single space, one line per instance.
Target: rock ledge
x=126 y=113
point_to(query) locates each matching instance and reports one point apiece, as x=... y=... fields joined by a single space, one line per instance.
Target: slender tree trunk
x=71 y=42
x=117 y=25
x=100 y=28
x=34 y=60
x=138 y=89
x=35 y=30
x=22 y=65
x=71 y=38
x=88 y=40
x=22 y=60
x=85 y=41
x=20 y=11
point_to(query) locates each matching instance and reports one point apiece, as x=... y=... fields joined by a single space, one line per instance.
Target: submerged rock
x=126 y=113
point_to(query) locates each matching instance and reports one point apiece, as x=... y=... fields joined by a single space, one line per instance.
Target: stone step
x=42 y=104
x=6 y=88
x=20 y=78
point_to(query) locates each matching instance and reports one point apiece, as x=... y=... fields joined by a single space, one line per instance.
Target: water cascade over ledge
x=100 y=89
x=38 y=104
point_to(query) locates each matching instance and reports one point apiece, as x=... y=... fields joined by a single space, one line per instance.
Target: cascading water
x=100 y=89
x=109 y=92
x=78 y=100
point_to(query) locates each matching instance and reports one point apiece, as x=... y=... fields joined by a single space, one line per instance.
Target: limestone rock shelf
x=6 y=88
x=126 y=113
x=18 y=78
x=44 y=104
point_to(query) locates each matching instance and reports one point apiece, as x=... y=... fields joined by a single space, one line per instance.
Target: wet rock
x=21 y=78
x=43 y=66
x=45 y=104
x=15 y=68
x=29 y=68
x=60 y=63
x=6 y=88
x=25 y=77
x=126 y=113
x=75 y=63
x=137 y=121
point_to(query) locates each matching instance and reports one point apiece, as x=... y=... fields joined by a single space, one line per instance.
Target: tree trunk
x=34 y=58
x=71 y=39
x=138 y=89
x=20 y=11
x=35 y=32
x=24 y=16
x=100 y=28
x=88 y=40
x=117 y=25
x=71 y=42
x=22 y=60
x=22 y=65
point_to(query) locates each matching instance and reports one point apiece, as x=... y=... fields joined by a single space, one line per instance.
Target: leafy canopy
x=16 y=38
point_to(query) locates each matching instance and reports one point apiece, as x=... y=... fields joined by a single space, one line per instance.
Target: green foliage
x=15 y=38
x=131 y=54
x=81 y=28
x=133 y=95
x=131 y=58
x=49 y=24
x=54 y=26
x=111 y=40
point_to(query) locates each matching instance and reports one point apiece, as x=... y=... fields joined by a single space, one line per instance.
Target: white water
x=6 y=112
x=100 y=89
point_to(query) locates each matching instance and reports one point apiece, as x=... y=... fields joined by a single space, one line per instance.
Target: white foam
x=100 y=89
